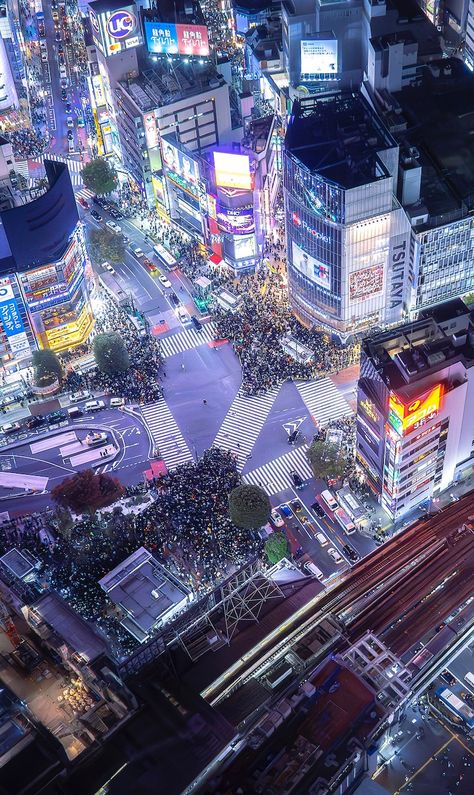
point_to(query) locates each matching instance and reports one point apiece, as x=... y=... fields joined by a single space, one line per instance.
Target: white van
x=313 y=569
x=321 y=539
x=94 y=405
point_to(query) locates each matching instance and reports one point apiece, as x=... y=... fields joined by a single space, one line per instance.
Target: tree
x=99 y=176
x=249 y=506
x=326 y=460
x=276 y=547
x=110 y=353
x=105 y=246
x=47 y=367
x=86 y=491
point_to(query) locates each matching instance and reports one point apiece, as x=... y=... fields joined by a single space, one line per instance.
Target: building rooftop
x=146 y=592
x=69 y=626
x=436 y=117
x=339 y=137
x=442 y=335
x=20 y=563
x=159 y=85
x=256 y=137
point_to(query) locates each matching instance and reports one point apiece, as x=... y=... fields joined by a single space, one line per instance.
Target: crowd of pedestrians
x=27 y=143
x=140 y=382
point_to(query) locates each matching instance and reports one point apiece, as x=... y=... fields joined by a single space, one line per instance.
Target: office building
x=415 y=428
x=469 y=41
x=347 y=240
x=45 y=291
x=432 y=123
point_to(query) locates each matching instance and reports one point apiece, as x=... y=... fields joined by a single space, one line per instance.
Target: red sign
x=192 y=40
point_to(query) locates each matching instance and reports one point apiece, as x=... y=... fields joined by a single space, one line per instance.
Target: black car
x=68 y=107
x=35 y=422
x=297 y=480
x=318 y=510
x=196 y=323
x=115 y=213
x=174 y=299
x=96 y=215
x=351 y=553
x=70 y=135
x=56 y=416
x=63 y=94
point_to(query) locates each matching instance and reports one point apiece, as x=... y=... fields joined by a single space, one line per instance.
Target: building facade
x=45 y=278
x=415 y=431
x=344 y=231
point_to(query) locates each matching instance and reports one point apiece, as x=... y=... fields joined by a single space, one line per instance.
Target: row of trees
x=110 y=353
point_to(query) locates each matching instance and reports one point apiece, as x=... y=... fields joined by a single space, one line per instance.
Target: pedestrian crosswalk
x=186 y=339
x=85 y=193
x=75 y=166
x=323 y=400
x=243 y=423
x=275 y=476
x=21 y=167
x=167 y=437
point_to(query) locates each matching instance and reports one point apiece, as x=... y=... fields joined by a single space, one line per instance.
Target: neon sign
x=405 y=418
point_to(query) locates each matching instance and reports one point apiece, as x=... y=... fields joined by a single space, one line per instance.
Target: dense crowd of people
x=140 y=382
x=27 y=143
x=258 y=328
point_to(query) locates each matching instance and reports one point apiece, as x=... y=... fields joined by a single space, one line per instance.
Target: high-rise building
x=415 y=429
x=44 y=289
x=348 y=240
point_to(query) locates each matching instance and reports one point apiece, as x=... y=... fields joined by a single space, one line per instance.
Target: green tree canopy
x=99 y=176
x=105 y=246
x=276 y=547
x=87 y=492
x=47 y=367
x=249 y=506
x=326 y=460
x=111 y=355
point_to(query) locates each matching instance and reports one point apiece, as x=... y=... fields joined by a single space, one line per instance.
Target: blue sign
x=10 y=318
x=121 y=24
x=161 y=38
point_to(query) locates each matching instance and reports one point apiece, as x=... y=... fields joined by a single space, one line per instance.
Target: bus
x=165 y=256
x=329 y=499
x=469 y=678
x=456 y=706
x=345 y=521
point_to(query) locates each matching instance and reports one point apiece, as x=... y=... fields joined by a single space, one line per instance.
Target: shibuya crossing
x=236 y=434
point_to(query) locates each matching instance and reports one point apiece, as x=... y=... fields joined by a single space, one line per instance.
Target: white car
x=277 y=518
x=334 y=554
x=138 y=252
x=70 y=121
x=94 y=405
x=95 y=439
x=78 y=396
x=10 y=427
x=183 y=316
x=108 y=267
x=164 y=281
x=117 y=401
x=113 y=227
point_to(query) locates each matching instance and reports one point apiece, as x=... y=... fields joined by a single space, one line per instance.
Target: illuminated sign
x=369 y=408
x=94 y=22
x=179 y=162
x=406 y=418
x=318 y=56
x=121 y=24
x=300 y=222
x=166 y=38
x=232 y=171
x=238 y=221
x=151 y=130
x=10 y=318
x=313 y=269
x=366 y=283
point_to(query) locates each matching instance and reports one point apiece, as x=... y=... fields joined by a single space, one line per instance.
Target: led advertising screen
x=166 y=38
x=151 y=130
x=115 y=30
x=366 y=283
x=238 y=221
x=318 y=56
x=180 y=163
x=405 y=418
x=232 y=171
x=310 y=267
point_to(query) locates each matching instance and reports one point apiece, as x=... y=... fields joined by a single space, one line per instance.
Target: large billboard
x=177 y=161
x=166 y=38
x=318 y=56
x=407 y=417
x=238 y=221
x=310 y=267
x=232 y=171
x=11 y=322
x=366 y=283
x=115 y=30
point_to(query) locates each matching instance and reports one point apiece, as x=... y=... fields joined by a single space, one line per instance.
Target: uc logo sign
x=121 y=24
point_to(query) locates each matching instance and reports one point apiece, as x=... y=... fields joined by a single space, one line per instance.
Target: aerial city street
x=237 y=397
